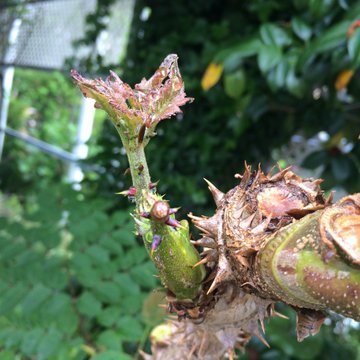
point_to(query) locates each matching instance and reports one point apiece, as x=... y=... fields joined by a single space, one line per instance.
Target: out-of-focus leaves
x=73 y=287
x=343 y=79
x=354 y=48
x=88 y=304
x=49 y=344
x=111 y=355
x=341 y=167
x=319 y=8
x=35 y=298
x=234 y=83
x=152 y=312
x=301 y=28
x=329 y=40
x=315 y=159
x=269 y=56
x=295 y=84
x=211 y=76
x=232 y=57
x=272 y=34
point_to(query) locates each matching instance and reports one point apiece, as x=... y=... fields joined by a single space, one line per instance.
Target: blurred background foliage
x=273 y=81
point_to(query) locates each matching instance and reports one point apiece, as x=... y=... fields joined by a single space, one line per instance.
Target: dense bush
x=73 y=279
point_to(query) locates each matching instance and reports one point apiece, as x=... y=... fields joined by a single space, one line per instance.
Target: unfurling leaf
x=147 y=104
x=211 y=76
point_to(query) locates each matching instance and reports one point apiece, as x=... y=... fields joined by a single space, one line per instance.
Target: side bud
x=174 y=257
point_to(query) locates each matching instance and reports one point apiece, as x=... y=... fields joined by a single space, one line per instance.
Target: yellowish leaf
x=88 y=349
x=343 y=79
x=211 y=76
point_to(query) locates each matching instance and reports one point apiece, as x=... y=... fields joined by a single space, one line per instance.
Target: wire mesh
x=49 y=29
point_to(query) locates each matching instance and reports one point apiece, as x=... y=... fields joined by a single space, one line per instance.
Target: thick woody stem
x=312 y=263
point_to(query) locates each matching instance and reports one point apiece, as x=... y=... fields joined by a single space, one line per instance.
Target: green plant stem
x=138 y=167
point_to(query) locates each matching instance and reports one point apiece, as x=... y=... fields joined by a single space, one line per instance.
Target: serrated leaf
x=49 y=344
x=300 y=28
x=36 y=297
x=127 y=284
x=124 y=237
x=274 y=35
x=111 y=245
x=98 y=254
x=151 y=101
x=130 y=328
x=107 y=291
x=12 y=297
x=109 y=316
x=143 y=275
x=88 y=304
x=132 y=257
x=109 y=340
x=353 y=46
x=31 y=340
x=132 y=304
x=269 y=56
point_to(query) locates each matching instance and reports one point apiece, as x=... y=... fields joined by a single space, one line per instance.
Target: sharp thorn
x=278 y=176
x=207 y=242
x=216 y=193
x=246 y=223
x=262 y=339
x=262 y=325
x=202 y=261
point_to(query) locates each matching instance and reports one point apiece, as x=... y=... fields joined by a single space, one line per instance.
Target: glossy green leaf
x=300 y=28
x=294 y=84
x=328 y=40
x=274 y=35
x=233 y=56
x=269 y=56
x=320 y=8
x=235 y=83
x=354 y=48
